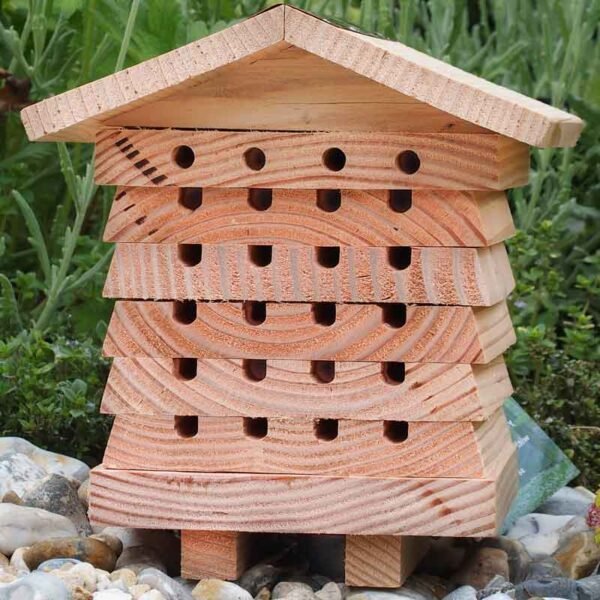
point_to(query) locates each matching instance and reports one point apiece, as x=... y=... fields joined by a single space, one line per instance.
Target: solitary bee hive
x=311 y=279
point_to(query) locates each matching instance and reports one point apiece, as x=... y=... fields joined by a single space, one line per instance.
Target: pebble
x=330 y=591
x=112 y=595
x=497 y=585
x=83 y=493
x=86 y=550
x=260 y=576
x=444 y=557
x=81 y=576
x=550 y=587
x=567 y=501
x=464 y=592
x=127 y=576
x=263 y=594
x=588 y=588
x=50 y=462
x=139 y=558
x=216 y=589
x=57 y=494
x=17 y=562
x=518 y=557
x=18 y=474
x=139 y=589
x=36 y=586
x=168 y=587
x=4 y=562
x=12 y=498
x=480 y=568
x=114 y=543
x=545 y=567
x=56 y=563
x=22 y=526
x=294 y=590
x=579 y=555
x=152 y=595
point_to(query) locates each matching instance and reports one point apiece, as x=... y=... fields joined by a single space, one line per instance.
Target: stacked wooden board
x=311 y=290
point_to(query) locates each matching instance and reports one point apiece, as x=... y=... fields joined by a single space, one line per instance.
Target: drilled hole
x=184 y=311
x=394 y=315
x=184 y=157
x=323 y=370
x=141 y=220
x=256 y=428
x=334 y=159
x=399 y=257
x=328 y=256
x=189 y=254
x=186 y=427
x=185 y=368
x=261 y=256
x=408 y=162
x=400 y=200
x=395 y=431
x=260 y=199
x=255 y=159
x=329 y=200
x=326 y=430
x=190 y=198
x=324 y=313
x=255 y=369
x=255 y=312
x=393 y=372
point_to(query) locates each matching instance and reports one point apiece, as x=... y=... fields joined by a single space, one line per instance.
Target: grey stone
x=168 y=587
x=567 y=501
x=518 y=557
x=57 y=494
x=293 y=590
x=18 y=474
x=543 y=568
x=216 y=589
x=588 y=588
x=112 y=594
x=56 y=563
x=498 y=585
x=330 y=591
x=22 y=526
x=550 y=587
x=36 y=586
x=138 y=558
x=84 y=493
x=464 y=592
x=258 y=577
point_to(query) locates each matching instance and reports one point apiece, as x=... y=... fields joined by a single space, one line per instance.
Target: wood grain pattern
x=295 y=503
x=136 y=95
x=218 y=554
x=359 y=390
x=221 y=330
x=464 y=276
x=147 y=157
x=382 y=560
x=302 y=446
x=364 y=218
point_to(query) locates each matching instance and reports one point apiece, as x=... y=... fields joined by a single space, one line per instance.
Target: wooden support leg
x=219 y=554
x=382 y=560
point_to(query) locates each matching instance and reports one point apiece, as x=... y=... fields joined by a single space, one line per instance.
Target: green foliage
x=51 y=218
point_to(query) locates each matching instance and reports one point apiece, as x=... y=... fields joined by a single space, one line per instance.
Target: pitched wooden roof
x=76 y=115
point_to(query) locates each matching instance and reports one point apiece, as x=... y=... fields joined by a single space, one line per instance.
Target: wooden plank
x=359 y=390
x=295 y=503
x=281 y=273
x=351 y=160
x=298 y=446
x=362 y=332
x=136 y=95
x=311 y=217
x=382 y=560
x=218 y=554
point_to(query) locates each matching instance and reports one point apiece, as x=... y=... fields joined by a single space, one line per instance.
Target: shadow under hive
x=311 y=284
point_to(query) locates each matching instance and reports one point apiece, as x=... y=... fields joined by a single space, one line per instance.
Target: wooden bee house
x=311 y=284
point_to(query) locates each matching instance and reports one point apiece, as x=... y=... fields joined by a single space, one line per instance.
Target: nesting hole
x=255 y=159
x=323 y=370
x=408 y=162
x=334 y=159
x=190 y=198
x=329 y=200
x=255 y=312
x=260 y=199
x=184 y=157
x=255 y=369
x=324 y=313
x=326 y=430
x=189 y=254
x=185 y=368
x=399 y=257
x=186 y=427
x=328 y=256
x=184 y=311
x=261 y=256
x=393 y=372
x=394 y=315
x=395 y=431
x=256 y=428
x=400 y=200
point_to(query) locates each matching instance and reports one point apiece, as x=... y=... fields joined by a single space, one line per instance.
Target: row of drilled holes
x=333 y=159
x=398 y=257
x=255 y=369
x=324 y=313
x=325 y=430
x=327 y=200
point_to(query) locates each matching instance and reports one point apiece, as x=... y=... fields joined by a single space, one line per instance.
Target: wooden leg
x=219 y=554
x=382 y=560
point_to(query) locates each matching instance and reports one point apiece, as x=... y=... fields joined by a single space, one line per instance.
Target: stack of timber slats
x=308 y=339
